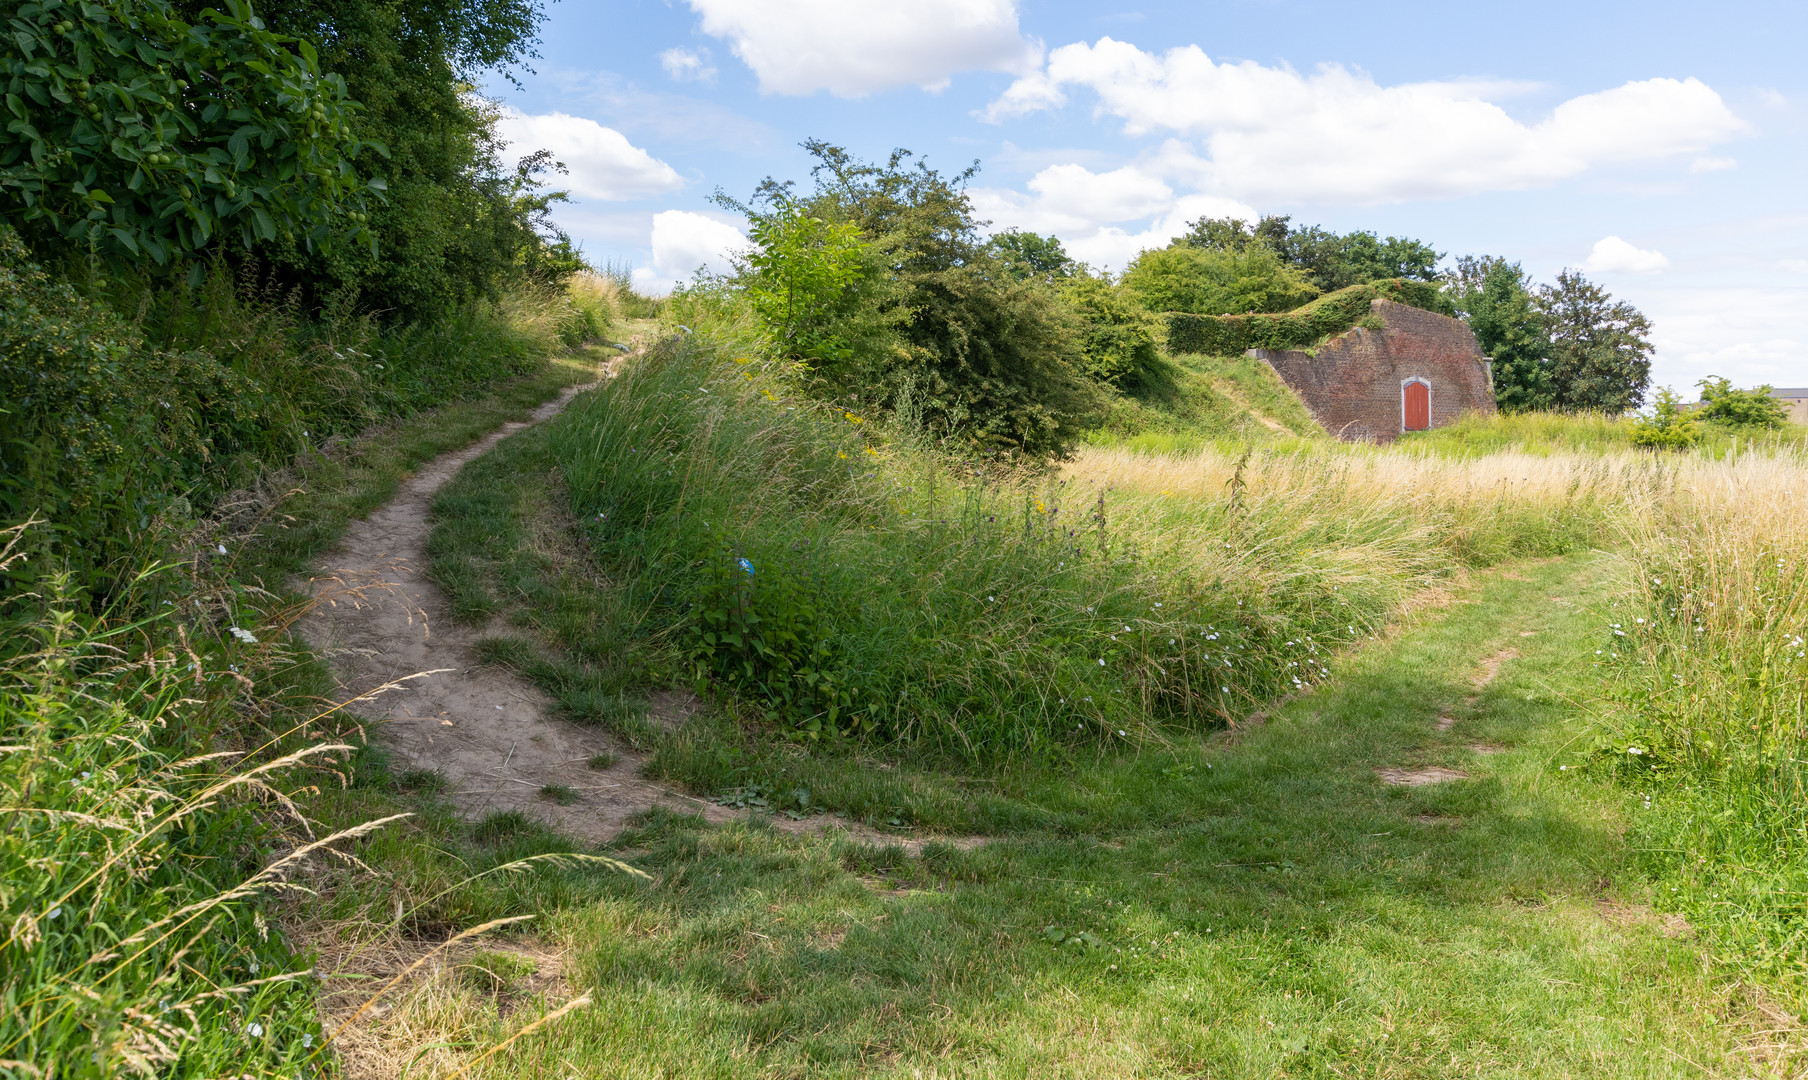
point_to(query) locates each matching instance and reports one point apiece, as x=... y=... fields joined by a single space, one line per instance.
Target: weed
x=562 y=794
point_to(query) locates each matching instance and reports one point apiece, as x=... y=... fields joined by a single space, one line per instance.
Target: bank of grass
x=1188 y=402
x=1255 y=905
x=1710 y=713
x=157 y=745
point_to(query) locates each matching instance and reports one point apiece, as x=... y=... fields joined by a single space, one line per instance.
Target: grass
x=1249 y=905
x=1190 y=402
x=1544 y=434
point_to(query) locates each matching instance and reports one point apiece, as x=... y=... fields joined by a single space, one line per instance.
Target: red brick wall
x=1352 y=386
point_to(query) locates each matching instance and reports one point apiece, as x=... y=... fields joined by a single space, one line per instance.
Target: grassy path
x=1245 y=906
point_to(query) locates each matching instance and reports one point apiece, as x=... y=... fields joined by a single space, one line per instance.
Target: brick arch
x=1415 y=403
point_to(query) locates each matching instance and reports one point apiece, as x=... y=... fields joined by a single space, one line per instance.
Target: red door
x=1416 y=405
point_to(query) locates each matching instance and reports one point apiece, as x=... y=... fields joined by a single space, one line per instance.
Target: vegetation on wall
x=1305 y=327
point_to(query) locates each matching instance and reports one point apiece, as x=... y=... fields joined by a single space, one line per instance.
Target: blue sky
x=1659 y=146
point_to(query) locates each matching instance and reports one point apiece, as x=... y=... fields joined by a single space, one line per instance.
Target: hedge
x=1301 y=328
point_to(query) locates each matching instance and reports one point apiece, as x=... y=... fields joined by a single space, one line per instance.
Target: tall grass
x=1711 y=712
x=839 y=581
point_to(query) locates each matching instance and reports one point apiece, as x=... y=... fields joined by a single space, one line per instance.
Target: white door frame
x=1426 y=383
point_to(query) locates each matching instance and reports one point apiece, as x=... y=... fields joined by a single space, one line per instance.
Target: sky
x=1660 y=147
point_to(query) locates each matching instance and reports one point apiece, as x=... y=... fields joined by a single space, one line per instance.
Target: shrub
x=1668 y=427
x=1723 y=404
x=1120 y=336
x=1206 y=281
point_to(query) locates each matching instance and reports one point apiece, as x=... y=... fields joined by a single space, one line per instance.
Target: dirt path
x=483 y=729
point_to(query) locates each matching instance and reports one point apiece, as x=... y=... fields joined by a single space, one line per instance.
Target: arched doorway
x=1415 y=405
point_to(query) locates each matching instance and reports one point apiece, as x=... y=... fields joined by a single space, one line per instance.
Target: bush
x=1206 y=281
x=1668 y=427
x=1723 y=404
x=1331 y=314
x=1120 y=335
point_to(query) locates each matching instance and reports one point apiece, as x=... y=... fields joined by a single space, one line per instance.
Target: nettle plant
x=133 y=133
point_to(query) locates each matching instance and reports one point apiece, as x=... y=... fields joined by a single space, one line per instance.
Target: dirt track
x=482 y=728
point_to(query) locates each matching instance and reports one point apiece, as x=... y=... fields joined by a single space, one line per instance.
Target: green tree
x=977 y=352
x=1217 y=281
x=1600 y=347
x=1120 y=335
x=1496 y=298
x=1027 y=255
x=810 y=281
x=1329 y=260
x=460 y=221
x=1724 y=404
x=136 y=134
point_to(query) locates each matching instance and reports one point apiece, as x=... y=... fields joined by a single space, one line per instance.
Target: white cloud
x=603 y=163
x=682 y=243
x=1088 y=210
x=1337 y=136
x=1750 y=336
x=1614 y=255
x=852 y=48
x=1712 y=164
x=1794 y=266
x=688 y=65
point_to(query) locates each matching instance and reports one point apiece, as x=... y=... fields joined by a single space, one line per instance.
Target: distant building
x=1795 y=399
x=1420 y=370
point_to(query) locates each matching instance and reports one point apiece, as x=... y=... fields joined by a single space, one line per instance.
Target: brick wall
x=1353 y=385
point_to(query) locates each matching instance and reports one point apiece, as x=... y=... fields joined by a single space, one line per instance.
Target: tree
x=1328 y=260
x=1217 y=281
x=1026 y=255
x=1119 y=342
x=1600 y=348
x=140 y=136
x=1755 y=408
x=978 y=352
x=810 y=281
x=1496 y=298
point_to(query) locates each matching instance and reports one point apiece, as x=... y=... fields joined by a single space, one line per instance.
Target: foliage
x=812 y=283
x=1205 y=281
x=120 y=444
x=1120 y=337
x=1231 y=335
x=1722 y=403
x=1328 y=261
x=1029 y=255
x=1600 y=348
x=137 y=134
x=1668 y=427
x=459 y=224
x=1496 y=297
x=968 y=350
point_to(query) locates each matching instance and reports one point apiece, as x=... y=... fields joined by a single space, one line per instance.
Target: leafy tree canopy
x=1496 y=297
x=137 y=133
x=1600 y=347
x=1027 y=255
x=1725 y=404
x=1217 y=281
x=951 y=334
x=1329 y=260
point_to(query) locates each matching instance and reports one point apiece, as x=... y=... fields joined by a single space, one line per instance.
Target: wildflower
x=245 y=636
x=1122 y=733
x=1633 y=750
x=991 y=599
x=1101 y=663
x=307 y=1040
x=222 y=548
x=254 y=1029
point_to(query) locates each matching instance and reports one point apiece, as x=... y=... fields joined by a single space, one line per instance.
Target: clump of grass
x=563 y=794
x=604 y=760
x=492 y=972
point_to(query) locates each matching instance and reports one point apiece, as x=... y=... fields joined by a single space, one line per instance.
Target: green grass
x=1256 y=904
x=1544 y=434
x=1192 y=401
